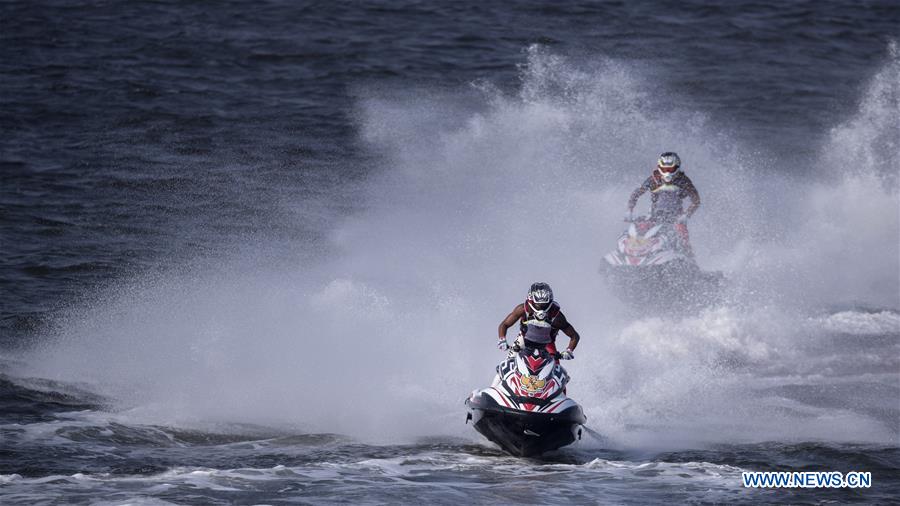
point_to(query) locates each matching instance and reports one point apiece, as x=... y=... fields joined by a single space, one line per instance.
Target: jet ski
x=650 y=267
x=526 y=411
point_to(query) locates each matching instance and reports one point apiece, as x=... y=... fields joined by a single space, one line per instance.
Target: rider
x=668 y=186
x=540 y=319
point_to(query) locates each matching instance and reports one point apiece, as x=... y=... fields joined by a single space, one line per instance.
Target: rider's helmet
x=540 y=297
x=668 y=165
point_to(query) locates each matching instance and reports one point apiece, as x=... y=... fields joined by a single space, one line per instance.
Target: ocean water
x=255 y=253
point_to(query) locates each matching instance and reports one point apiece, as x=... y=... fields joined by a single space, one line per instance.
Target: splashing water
x=384 y=336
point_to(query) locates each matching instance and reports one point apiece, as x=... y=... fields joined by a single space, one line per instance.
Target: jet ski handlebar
x=516 y=348
x=629 y=218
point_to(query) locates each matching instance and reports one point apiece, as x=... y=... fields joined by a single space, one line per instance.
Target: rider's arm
x=692 y=193
x=510 y=320
x=568 y=330
x=636 y=194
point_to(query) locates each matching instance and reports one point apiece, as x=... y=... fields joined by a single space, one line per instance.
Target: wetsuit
x=665 y=201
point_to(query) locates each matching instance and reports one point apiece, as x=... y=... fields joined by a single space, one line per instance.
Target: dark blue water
x=180 y=182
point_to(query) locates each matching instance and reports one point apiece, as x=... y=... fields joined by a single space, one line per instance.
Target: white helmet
x=668 y=165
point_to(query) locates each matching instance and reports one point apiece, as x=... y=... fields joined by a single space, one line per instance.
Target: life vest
x=666 y=197
x=537 y=326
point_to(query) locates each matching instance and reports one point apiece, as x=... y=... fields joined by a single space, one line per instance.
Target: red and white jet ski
x=650 y=266
x=526 y=411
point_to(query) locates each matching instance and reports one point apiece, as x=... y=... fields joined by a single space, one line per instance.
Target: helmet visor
x=539 y=306
x=668 y=169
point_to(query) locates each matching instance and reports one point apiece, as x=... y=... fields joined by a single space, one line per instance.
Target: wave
x=859 y=323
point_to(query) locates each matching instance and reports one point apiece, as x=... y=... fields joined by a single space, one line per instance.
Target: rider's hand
x=629 y=216
x=567 y=355
x=682 y=218
x=503 y=345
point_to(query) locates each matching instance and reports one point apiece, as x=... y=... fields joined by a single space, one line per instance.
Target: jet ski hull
x=661 y=284
x=525 y=433
x=650 y=267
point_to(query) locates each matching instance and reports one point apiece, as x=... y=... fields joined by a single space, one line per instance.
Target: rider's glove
x=567 y=355
x=629 y=216
x=503 y=345
x=682 y=218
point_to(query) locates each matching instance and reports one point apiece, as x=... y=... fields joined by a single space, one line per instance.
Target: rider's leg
x=682 y=230
x=551 y=349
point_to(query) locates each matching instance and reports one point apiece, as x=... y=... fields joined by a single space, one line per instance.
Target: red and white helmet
x=668 y=165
